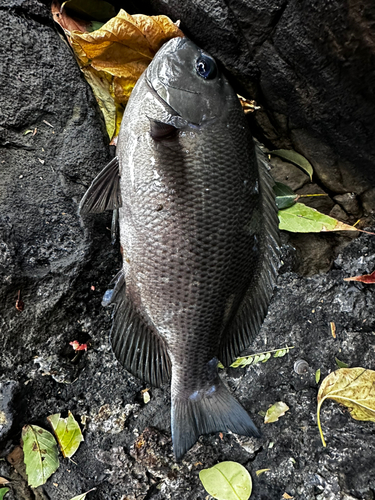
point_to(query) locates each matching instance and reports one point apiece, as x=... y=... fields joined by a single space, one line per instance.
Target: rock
x=334 y=173
x=349 y=202
x=368 y=202
x=338 y=213
x=285 y=172
x=8 y=390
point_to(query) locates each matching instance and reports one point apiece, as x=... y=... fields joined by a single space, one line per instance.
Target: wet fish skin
x=198 y=229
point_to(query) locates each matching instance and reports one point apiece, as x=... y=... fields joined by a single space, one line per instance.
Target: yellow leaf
x=352 y=387
x=114 y=57
x=287 y=497
x=261 y=471
x=277 y=410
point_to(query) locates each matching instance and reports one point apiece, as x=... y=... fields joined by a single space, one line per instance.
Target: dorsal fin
x=104 y=192
x=253 y=308
x=141 y=351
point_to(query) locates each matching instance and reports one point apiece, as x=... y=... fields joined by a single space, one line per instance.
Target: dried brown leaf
x=364 y=278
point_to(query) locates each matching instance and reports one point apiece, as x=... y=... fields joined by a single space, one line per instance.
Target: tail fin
x=205 y=412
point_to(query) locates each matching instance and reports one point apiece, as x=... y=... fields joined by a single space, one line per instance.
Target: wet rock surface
x=62 y=264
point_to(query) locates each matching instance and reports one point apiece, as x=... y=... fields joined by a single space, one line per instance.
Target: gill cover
x=189 y=81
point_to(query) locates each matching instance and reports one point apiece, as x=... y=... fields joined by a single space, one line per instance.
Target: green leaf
x=285 y=197
x=317 y=375
x=92 y=9
x=275 y=411
x=227 y=481
x=95 y=25
x=352 y=387
x=302 y=219
x=3 y=492
x=67 y=432
x=341 y=364
x=295 y=158
x=40 y=454
x=261 y=357
x=83 y=496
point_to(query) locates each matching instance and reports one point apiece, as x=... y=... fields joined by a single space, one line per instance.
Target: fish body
x=198 y=229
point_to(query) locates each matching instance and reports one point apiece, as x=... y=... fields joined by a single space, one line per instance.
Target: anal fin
x=104 y=192
x=140 y=350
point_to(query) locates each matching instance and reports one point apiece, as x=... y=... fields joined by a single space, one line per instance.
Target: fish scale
x=198 y=228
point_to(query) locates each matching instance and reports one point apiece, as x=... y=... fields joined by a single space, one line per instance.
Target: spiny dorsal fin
x=253 y=308
x=104 y=192
x=141 y=351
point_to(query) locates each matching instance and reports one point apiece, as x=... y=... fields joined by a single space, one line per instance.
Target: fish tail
x=205 y=412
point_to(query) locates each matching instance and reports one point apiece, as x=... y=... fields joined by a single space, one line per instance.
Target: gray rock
x=285 y=172
x=349 y=202
x=368 y=202
x=338 y=213
x=8 y=390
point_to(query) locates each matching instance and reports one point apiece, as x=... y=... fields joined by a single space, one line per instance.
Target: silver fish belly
x=198 y=228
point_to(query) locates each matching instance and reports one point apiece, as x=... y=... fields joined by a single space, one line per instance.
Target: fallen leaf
x=146 y=397
x=364 y=278
x=352 y=387
x=285 y=196
x=3 y=492
x=300 y=218
x=286 y=496
x=67 y=22
x=248 y=106
x=83 y=496
x=20 y=306
x=113 y=57
x=77 y=346
x=317 y=375
x=3 y=481
x=227 y=481
x=261 y=471
x=40 y=454
x=261 y=357
x=341 y=364
x=333 y=329
x=276 y=411
x=295 y=158
x=67 y=432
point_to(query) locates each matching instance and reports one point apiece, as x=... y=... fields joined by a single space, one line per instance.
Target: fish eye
x=206 y=67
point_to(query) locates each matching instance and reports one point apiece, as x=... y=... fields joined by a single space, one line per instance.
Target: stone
x=338 y=213
x=287 y=173
x=349 y=202
x=368 y=202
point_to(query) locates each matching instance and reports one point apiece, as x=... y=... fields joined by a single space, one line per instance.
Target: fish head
x=190 y=82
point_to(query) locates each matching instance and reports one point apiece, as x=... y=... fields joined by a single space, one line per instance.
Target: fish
x=199 y=236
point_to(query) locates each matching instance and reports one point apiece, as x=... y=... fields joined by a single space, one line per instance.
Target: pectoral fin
x=161 y=131
x=104 y=192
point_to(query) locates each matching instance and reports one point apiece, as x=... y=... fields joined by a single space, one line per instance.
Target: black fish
x=198 y=228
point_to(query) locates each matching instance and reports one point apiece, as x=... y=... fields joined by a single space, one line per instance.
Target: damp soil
x=53 y=143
